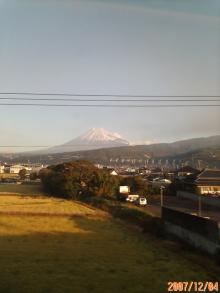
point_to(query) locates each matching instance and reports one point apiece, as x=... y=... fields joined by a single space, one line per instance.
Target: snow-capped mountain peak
x=94 y=138
x=99 y=134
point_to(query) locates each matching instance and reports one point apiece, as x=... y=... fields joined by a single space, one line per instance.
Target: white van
x=132 y=197
x=142 y=201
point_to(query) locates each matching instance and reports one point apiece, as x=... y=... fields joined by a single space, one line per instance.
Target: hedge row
x=132 y=215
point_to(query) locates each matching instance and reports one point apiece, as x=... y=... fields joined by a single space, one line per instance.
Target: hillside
x=205 y=149
x=179 y=149
x=94 y=138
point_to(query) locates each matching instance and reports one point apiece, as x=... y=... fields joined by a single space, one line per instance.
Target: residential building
x=114 y=173
x=186 y=171
x=2 y=169
x=208 y=182
x=15 y=169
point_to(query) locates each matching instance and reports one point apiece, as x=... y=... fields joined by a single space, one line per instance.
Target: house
x=144 y=171
x=2 y=169
x=124 y=189
x=15 y=169
x=155 y=173
x=123 y=192
x=159 y=182
x=208 y=182
x=186 y=171
x=111 y=171
x=114 y=173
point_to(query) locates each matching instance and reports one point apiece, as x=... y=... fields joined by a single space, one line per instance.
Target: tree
x=33 y=176
x=22 y=173
x=77 y=179
x=104 y=184
x=137 y=184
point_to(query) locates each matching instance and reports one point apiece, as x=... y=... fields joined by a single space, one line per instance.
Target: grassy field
x=44 y=205
x=8 y=175
x=86 y=252
x=21 y=188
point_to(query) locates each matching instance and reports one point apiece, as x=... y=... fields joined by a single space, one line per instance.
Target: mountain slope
x=95 y=138
x=158 y=150
x=198 y=148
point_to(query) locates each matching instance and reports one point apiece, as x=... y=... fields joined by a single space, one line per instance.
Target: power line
x=49 y=146
x=111 y=100
x=160 y=100
x=40 y=146
x=110 y=106
x=107 y=95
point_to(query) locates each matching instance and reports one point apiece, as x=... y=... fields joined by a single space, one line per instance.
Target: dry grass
x=88 y=253
x=44 y=205
x=28 y=189
x=8 y=175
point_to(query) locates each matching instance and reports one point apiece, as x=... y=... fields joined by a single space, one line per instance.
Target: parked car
x=142 y=201
x=132 y=197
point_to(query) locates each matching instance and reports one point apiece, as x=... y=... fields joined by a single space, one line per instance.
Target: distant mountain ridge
x=158 y=150
x=97 y=139
x=205 y=148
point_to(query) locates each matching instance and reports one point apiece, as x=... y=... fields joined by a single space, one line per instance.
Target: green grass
x=21 y=188
x=90 y=252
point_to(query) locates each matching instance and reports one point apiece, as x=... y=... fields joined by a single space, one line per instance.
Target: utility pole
x=161 y=196
x=200 y=205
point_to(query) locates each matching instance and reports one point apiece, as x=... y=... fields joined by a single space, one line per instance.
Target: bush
x=98 y=202
x=22 y=173
x=136 y=183
x=33 y=176
x=132 y=215
x=155 y=227
x=217 y=256
x=80 y=178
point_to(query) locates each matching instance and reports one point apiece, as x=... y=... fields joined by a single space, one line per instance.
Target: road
x=184 y=205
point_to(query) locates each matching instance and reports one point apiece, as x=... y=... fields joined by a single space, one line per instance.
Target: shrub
x=136 y=183
x=217 y=256
x=80 y=178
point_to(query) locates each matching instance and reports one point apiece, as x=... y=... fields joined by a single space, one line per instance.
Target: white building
x=124 y=189
x=114 y=173
x=2 y=169
x=15 y=169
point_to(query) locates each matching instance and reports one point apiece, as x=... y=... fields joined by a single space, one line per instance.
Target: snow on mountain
x=99 y=134
x=95 y=138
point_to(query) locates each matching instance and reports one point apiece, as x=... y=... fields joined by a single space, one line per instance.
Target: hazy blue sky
x=155 y=47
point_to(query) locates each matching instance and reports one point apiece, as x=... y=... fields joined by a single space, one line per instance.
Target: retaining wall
x=199 y=232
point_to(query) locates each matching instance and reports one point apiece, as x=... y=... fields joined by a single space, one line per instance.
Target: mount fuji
x=95 y=138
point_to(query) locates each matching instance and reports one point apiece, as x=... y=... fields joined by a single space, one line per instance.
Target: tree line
x=77 y=179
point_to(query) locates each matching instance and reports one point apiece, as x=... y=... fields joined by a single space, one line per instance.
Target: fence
x=212 y=201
